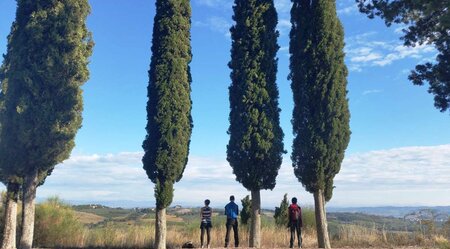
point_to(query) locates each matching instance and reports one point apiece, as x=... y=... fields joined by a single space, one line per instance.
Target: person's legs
x=227 y=236
x=299 y=235
x=208 y=235
x=292 y=229
x=236 y=234
x=202 y=235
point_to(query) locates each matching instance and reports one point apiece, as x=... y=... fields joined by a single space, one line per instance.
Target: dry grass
x=87 y=218
x=58 y=226
x=142 y=237
x=271 y=237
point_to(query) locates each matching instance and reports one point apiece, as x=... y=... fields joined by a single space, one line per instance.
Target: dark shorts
x=205 y=225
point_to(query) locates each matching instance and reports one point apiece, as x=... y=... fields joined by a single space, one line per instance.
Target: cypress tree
x=256 y=140
x=281 y=213
x=321 y=116
x=246 y=211
x=169 y=122
x=44 y=69
x=12 y=186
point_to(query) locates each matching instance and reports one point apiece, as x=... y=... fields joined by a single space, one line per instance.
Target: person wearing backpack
x=295 y=223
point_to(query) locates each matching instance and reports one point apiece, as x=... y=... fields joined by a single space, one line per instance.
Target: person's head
x=207 y=202
x=294 y=200
x=232 y=198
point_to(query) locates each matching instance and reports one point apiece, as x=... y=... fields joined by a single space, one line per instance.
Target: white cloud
x=373 y=91
x=284 y=26
x=364 y=54
x=348 y=10
x=283 y=6
x=347 y=7
x=216 y=24
x=401 y=176
x=364 y=50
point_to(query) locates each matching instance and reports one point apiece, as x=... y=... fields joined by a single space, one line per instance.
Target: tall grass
x=57 y=226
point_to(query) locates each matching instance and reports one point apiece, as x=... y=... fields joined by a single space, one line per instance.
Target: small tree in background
x=169 y=122
x=428 y=22
x=44 y=69
x=256 y=140
x=281 y=213
x=246 y=211
x=321 y=115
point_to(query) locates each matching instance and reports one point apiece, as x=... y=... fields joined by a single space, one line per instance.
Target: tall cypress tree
x=45 y=67
x=321 y=116
x=256 y=140
x=11 y=182
x=169 y=122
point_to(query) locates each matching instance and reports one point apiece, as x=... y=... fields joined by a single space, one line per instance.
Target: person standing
x=232 y=212
x=205 y=225
x=295 y=223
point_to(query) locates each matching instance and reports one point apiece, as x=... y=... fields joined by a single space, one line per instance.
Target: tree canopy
x=318 y=73
x=256 y=145
x=169 y=121
x=41 y=78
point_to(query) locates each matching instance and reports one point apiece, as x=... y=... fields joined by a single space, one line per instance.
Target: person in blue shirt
x=232 y=213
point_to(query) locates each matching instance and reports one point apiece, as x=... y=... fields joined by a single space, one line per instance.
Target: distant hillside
x=373 y=221
x=441 y=212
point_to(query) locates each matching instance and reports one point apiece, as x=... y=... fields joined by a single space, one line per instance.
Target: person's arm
x=289 y=214
x=237 y=210
x=201 y=212
x=301 y=219
x=225 y=210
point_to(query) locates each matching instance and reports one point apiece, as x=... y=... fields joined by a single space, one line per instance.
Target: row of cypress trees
x=41 y=102
x=320 y=117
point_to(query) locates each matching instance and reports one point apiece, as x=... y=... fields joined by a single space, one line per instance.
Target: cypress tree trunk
x=321 y=220
x=255 y=230
x=29 y=196
x=160 y=229
x=9 y=231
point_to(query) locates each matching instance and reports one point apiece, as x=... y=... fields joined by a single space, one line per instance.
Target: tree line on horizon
x=46 y=64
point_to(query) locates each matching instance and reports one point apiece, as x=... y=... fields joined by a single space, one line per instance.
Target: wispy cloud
x=372 y=91
x=283 y=6
x=216 y=24
x=364 y=50
x=347 y=7
x=401 y=176
x=284 y=26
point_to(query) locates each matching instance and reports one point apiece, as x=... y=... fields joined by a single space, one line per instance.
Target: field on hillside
x=94 y=226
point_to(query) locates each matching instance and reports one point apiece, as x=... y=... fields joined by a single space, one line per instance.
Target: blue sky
x=398 y=154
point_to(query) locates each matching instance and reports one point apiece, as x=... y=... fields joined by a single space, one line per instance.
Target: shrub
x=56 y=225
